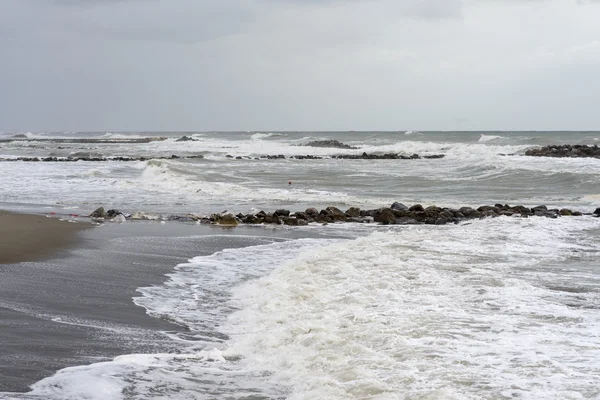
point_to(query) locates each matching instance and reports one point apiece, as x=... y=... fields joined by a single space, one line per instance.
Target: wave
x=455 y=312
x=488 y=138
x=425 y=313
x=260 y=136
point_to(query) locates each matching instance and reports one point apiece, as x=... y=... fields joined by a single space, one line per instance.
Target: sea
x=497 y=308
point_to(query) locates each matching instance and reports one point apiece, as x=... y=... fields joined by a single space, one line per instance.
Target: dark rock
x=565 y=150
x=407 y=221
x=112 y=213
x=565 y=212
x=282 y=213
x=329 y=143
x=385 y=216
x=597 y=211
x=226 y=219
x=353 y=212
x=312 y=212
x=98 y=213
x=186 y=139
x=416 y=208
x=398 y=206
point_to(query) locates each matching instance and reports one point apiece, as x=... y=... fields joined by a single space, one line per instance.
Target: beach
x=73 y=304
x=152 y=298
x=35 y=237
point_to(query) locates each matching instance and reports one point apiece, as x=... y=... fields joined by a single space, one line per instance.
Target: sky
x=229 y=65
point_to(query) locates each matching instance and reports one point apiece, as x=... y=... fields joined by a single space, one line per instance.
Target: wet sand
x=35 y=237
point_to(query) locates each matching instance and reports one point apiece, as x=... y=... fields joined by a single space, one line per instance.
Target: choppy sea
x=503 y=308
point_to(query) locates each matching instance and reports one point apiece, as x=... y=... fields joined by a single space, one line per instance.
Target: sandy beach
x=34 y=237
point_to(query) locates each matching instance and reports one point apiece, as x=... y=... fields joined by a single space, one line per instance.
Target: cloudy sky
x=299 y=64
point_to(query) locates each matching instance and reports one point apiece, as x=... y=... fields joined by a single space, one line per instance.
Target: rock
x=113 y=213
x=597 y=212
x=539 y=208
x=225 y=219
x=293 y=221
x=407 y=221
x=565 y=212
x=141 y=216
x=312 y=212
x=398 y=206
x=329 y=143
x=385 y=216
x=353 y=212
x=417 y=208
x=302 y=215
x=336 y=213
x=119 y=219
x=186 y=139
x=282 y=213
x=565 y=150
x=98 y=213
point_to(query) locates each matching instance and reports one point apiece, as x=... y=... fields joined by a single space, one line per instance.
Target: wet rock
x=416 y=208
x=225 y=219
x=312 y=212
x=329 y=143
x=113 y=213
x=407 y=221
x=565 y=212
x=353 y=212
x=385 y=216
x=597 y=212
x=565 y=150
x=186 y=139
x=282 y=213
x=98 y=213
x=398 y=206
x=293 y=221
x=336 y=213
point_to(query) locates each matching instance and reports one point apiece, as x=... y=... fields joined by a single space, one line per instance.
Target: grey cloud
x=292 y=64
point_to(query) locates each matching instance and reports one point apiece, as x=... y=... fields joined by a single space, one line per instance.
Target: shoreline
x=76 y=309
x=31 y=237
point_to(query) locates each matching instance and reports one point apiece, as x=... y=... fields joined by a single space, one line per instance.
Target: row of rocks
x=396 y=214
x=388 y=156
x=119 y=158
x=565 y=150
x=17 y=138
x=363 y=156
x=330 y=144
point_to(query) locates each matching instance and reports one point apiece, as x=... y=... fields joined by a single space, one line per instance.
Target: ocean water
x=503 y=308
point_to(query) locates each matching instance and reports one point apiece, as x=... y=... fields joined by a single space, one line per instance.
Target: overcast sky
x=299 y=64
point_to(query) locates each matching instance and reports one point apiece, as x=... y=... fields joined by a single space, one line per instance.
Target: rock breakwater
x=396 y=214
x=565 y=150
x=97 y=159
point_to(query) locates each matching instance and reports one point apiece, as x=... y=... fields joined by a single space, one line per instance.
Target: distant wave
x=412 y=133
x=260 y=136
x=488 y=138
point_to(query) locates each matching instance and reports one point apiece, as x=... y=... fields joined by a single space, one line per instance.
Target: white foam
x=488 y=138
x=439 y=313
x=260 y=135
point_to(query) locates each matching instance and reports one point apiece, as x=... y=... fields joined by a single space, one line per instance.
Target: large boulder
x=353 y=212
x=225 y=219
x=385 y=216
x=398 y=206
